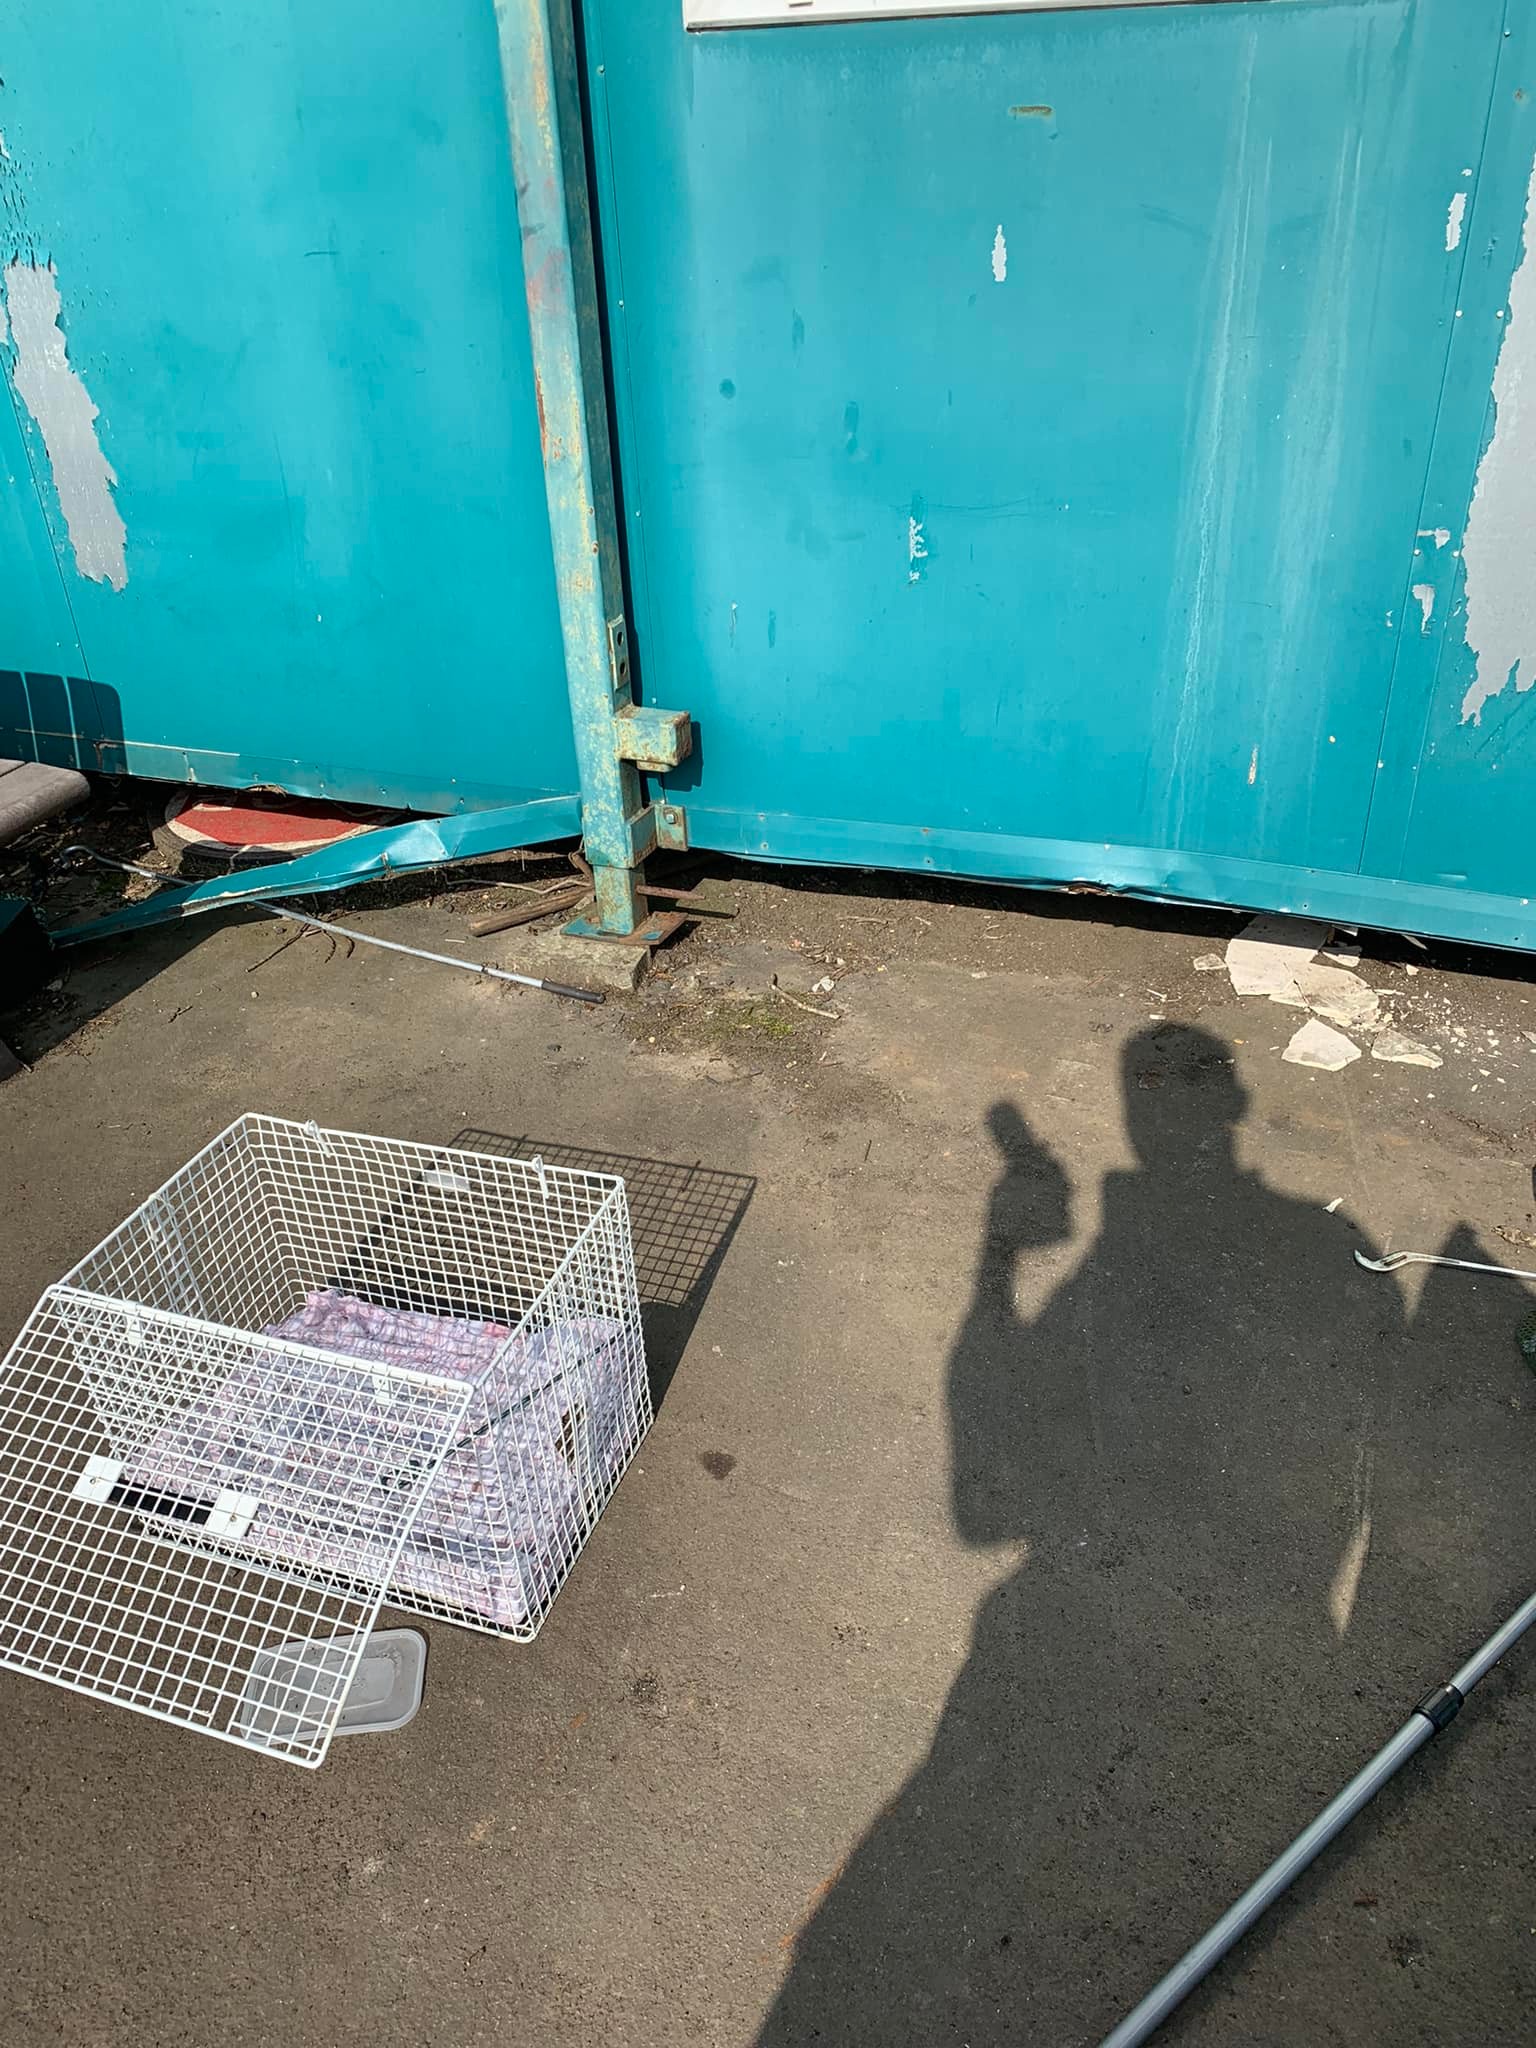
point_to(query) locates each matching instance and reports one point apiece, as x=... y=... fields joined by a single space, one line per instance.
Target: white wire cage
x=313 y=1371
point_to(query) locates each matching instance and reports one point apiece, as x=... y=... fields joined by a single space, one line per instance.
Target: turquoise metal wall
x=1034 y=431
x=283 y=244
x=1065 y=446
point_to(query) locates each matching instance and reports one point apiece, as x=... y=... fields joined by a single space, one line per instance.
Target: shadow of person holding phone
x=1181 y=1451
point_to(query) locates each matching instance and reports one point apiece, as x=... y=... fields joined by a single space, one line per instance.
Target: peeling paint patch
x=1440 y=535
x=1424 y=597
x=1253 y=767
x=65 y=415
x=1498 y=545
x=917 y=540
x=917 y=549
x=1454 y=219
x=999 y=256
x=5 y=154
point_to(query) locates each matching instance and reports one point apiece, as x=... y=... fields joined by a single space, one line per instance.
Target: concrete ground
x=1042 y=1518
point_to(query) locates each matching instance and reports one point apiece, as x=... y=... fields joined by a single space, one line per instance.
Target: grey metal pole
x=1427 y=1719
x=538 y=66
x=342 y=931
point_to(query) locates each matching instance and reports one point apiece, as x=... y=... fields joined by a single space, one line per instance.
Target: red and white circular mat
x=254 y=821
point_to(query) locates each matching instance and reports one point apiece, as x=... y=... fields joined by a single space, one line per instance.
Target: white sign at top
x=775 y=13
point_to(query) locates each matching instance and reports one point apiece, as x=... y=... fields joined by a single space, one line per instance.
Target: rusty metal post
x=541 y=88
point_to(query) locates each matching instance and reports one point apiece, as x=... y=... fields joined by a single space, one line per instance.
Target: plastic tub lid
x=384 y=1694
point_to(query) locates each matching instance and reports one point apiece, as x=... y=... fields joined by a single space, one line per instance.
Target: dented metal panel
x=368 y=856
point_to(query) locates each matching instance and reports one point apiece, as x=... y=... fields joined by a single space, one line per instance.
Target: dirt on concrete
x=1044 y=1514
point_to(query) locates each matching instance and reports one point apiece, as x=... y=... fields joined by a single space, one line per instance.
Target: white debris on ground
x=1268 y=953
x=1403 y=1051
x=1319 y=1045
x=1305 y=964
x=1339 y=996
x=1209 y=963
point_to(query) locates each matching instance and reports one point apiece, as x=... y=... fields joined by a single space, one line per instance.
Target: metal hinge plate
x=618 y=655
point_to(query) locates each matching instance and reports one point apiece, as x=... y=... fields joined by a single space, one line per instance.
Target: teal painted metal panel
x=1027 y=421
x=38 y=631
x=1456 y=796
x=1053 y=446
x=286 y=253
x=1156 y=873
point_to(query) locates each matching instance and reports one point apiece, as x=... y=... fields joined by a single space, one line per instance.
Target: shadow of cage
x=682 y=1217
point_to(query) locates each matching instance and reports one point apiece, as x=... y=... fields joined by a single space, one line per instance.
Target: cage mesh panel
x=206 y=1244
x=420 y=1227
x=125 y=1597
x=544 y=1447
x=272 y=1212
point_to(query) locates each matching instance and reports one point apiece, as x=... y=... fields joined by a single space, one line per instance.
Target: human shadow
x=1185 y=1450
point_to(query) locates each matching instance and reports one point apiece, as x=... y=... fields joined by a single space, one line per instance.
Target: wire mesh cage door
x=313 y=1370
x=187 y=1511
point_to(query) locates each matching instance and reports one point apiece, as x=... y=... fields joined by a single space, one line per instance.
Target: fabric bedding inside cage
x=542 y=1443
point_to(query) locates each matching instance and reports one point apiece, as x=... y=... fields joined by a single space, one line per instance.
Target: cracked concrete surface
x=1042 y=1519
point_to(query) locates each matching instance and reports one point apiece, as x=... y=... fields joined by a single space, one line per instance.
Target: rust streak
x=1040 y=113
x=552 y=445
x=546 y=285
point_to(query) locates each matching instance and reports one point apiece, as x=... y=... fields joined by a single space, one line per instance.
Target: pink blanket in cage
x=511 y=1499
x=393 y=1336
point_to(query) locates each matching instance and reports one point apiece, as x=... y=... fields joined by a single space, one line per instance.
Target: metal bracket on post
x=671 y=827
x=653 y=740
x=615 y=738
x=618 y=659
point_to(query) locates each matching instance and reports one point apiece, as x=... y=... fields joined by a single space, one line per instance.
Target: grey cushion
x=31 y=792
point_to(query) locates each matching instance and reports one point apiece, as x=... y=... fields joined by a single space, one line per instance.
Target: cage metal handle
x=228 y=1514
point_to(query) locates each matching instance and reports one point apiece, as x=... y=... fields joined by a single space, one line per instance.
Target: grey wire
x=342 y=931
x=1392 y=1261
